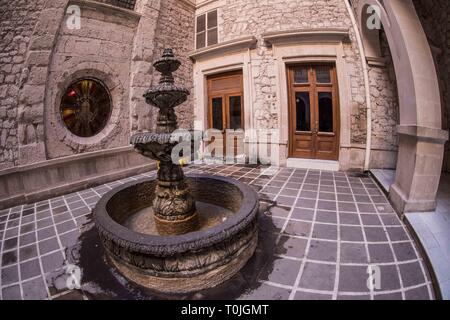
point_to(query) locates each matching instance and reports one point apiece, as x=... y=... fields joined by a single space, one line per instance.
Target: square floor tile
x=366 y=208
x=62 y=217
x=282 y=271
x=289 y=192
x=347 y=207
x=322 y=251
x=349 y=218
x=10 y=244
x=27 y=228
x=28 y=252
x=308 y=194
x=298 y=228
x=380 y=253
x=327 y=196
x=9 y=257
x=292 y=247
x=353 y=253
x=375 y=234
x=324 y=188
x=26 y=239
x=52 y=261
x=66 y=226
x=30 y=269
x=46 y=233
x=48 y=245
x=390 y=220
x=370 y=220
x=351 y=233
x=362 y=198
x=69 y=239
x=389 y=278
x=10 y=275
x=420 y=293
x=306 y=203
x=326 y=205
x=353 y=279
x=412 y=274
x=397 y=233
x=324 y=231
x=285 y=201
x=11 y=293
x=318 y=276
x=34 y=289
x=303 y=214
x=326 y=216
x=384 y=208
x=404 y=251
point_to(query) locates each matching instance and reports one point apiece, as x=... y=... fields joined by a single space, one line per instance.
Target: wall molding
x=321 y=35
x=224 y=48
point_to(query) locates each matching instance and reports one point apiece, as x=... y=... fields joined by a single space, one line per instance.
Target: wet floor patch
x=102 y=281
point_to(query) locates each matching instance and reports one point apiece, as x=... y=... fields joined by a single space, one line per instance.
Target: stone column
x=419 y=167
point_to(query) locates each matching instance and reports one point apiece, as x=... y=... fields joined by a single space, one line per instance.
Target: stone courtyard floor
x=319 y=233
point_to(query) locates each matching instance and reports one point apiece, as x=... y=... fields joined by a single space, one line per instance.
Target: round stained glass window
x=86 y=107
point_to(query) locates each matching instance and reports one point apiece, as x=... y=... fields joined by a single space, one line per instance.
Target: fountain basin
x=184 y=263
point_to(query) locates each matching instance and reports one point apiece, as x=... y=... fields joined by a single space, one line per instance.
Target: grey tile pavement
x=328 y=229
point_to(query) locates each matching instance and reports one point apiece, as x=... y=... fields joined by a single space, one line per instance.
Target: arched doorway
x=421 y=138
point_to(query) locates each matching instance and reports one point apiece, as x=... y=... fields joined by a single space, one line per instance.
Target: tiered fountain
x=176 y=234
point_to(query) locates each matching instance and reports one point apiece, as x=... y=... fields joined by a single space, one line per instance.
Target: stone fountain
x=176 y=234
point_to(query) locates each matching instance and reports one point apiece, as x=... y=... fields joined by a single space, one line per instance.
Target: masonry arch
x=421 y=138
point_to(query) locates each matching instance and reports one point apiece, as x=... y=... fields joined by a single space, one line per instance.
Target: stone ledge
x=424 y=133
x=223 y=48
x=38 y=181
x=306 y=35
x=376 y=62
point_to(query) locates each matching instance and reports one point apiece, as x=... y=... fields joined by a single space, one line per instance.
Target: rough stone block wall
x=176 y=30
x=102 y=49
x=17 y=21
x=240 y=18
x=435 y=18
x=384 y=98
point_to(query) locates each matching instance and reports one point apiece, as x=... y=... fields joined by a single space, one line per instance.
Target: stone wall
x=101 y=49
x=17 y=22
x=435 y=18
x=385 y=106
x=176 y=30
x=241 y=18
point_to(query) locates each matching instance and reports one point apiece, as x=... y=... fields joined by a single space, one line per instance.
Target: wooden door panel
x=229 y=89
x=314 y=131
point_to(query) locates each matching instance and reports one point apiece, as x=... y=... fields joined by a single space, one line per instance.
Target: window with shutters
x=206 y=30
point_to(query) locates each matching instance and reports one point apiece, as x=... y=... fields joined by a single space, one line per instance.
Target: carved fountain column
x=174 y=207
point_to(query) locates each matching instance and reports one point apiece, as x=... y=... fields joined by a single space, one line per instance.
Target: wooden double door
x=226 y=112
x=313 y=112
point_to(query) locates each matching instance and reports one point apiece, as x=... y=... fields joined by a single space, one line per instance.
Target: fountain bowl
x=184 y=263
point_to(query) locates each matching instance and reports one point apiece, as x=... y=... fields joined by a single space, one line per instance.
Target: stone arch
x=421 y=138
x=34 y=77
